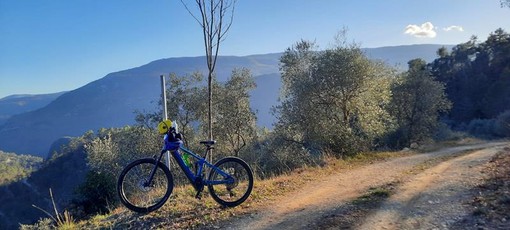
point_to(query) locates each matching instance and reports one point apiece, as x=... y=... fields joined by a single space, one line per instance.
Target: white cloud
x=457 y=28
x=426 y=30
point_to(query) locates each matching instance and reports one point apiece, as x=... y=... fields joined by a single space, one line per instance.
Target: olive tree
x=107 y=154
x=418 y=100
x=185 y=101
x=235 y=120
x=333 y=99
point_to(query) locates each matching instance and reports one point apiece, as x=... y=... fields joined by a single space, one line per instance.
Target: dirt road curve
x=431 y=199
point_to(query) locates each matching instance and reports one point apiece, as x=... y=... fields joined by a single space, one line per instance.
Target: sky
x=59 y=45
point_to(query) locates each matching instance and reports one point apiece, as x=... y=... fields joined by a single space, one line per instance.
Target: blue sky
x=56 y=45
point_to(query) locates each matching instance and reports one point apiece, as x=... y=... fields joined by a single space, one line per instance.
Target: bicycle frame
x=201 y=163
x=232 y=174
x=194 y=178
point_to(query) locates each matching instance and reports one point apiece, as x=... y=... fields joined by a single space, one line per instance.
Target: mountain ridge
x=21 y=103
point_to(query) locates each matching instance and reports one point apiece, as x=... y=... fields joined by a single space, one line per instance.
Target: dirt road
x=431 y=199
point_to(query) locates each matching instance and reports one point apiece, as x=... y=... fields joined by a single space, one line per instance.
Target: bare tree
x=215 y=18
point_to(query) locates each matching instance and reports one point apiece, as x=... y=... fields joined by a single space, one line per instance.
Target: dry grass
x=446 y=144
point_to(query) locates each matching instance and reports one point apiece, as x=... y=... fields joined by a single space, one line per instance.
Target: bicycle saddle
x=209 y=143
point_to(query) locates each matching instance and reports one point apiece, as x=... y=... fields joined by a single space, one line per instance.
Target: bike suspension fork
x=167 y=158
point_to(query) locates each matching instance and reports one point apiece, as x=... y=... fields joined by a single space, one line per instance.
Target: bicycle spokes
x=139 y=190
x=231 y=181
x=145 y=184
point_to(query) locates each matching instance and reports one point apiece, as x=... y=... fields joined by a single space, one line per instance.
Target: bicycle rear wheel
x=236 y=192
x=139 y=194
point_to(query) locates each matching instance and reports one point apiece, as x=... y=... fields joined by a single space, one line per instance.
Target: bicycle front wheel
x=141 y=193
x=231 y=181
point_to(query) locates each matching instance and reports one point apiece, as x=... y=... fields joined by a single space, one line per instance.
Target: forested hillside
x=63 y=174
x=14 y=167
x=477 y=79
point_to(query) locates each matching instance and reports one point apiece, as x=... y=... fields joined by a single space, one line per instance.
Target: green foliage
x=476 y=77
x=103 y=155
x=502 y=125
x=235 y=122
x=483 y=128
x=417 y=102
x=107 y=155
x=42 y=224
x=98 y=194
x=186 y=103
x=491 y=128
x=335 y=99
x=14 y=167
x=272 y=155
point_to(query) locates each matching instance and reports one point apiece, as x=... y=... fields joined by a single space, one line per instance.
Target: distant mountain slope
x=17 y=104
x=264 y=97
x=400 y=55
x=111 y=101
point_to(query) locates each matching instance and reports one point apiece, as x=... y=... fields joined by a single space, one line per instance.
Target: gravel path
x=435 y=198
x=411 y=207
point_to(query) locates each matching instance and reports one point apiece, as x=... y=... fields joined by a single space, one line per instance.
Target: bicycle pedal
x=198 y=196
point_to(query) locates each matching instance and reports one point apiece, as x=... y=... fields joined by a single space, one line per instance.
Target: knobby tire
x=231 y=195
x=138 y=195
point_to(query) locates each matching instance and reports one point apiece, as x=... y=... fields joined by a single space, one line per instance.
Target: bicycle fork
x=153 y=171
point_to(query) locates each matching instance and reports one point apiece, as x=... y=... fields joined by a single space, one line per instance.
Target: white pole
x=163 y=94
x=165 y=114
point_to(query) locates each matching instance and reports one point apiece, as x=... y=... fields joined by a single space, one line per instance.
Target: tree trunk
x=210 y=114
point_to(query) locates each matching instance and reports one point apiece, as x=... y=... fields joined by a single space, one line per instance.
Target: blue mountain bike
x=146 y=184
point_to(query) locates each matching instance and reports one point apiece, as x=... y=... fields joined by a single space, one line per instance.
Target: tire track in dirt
x=435 y=198
x=307 y=206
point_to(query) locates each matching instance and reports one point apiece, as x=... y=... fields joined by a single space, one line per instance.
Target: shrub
x=98 y=193
x=272 y=155
x=502 y=124
x=483 y=128
x=444 y=133
x=42 y=224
